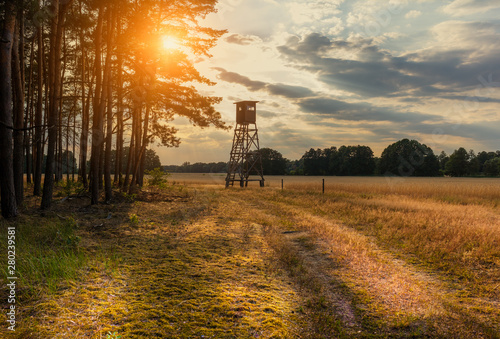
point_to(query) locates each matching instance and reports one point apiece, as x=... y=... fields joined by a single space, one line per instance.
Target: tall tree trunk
x=97 y=132
x=145 y=142
x=109 y=123
x=136 y=130
x=55 y=88
x=67 y=145
x=75 y=88
x=53 y=113
x=28 y=135
x=38 y=156
x=84 y=137
x=59 y=162
x=101 y=157
x=119 y=114
x=7 y=190
x=18 y=90
x=131 y=155
x=73 y=160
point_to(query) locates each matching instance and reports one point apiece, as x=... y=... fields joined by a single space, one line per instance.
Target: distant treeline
x=198 y=167
x=403 y=158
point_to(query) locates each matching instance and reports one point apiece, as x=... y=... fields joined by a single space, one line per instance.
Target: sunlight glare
x=169 y=42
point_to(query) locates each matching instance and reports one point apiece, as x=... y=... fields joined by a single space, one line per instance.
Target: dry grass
x=368 y=259
x=484 y=191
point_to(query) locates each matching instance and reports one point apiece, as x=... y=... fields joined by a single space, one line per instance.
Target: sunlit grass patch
x=455 y=241
x=167 y=269
x=47 y=253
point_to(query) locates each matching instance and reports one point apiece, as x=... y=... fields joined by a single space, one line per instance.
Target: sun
x=168 y=42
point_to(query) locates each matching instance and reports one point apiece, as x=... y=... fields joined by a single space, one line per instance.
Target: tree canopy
x=80 y=74
x=273 y=162
x=347 y=160
x=408 y=158
x=459 y=163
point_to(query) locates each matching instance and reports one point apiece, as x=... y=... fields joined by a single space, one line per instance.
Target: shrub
x=158 y=177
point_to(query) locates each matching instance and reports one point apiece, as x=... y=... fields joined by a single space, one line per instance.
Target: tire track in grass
x=400 y=297
x=327 y=311
x=468 y=309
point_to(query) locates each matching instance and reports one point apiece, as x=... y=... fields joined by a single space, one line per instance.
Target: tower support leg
x=245 y=157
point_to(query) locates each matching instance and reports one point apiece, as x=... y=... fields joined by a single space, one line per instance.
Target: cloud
x=372 y=74
x=292 y=140
x=469 y=7
x=323 y=109
x=268 y=114
x=287 y=91
x=305 y=12
x=376 y=125
x=470 y=98
x=360 y=111
x=413 y=14
x=242 y=39
x=437 y=135
x=318 y=16
x=240 y=79
x=373 y=16
x=477 y=41
x=361 y=67
x=257 y=17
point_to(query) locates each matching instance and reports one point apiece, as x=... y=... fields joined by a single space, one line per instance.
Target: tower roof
x=245 y=101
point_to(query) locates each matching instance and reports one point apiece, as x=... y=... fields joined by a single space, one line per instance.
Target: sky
x=352 y=72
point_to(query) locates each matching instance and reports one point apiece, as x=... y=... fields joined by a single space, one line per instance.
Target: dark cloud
x=240 y=79
x=470 y=98
x=241 y=39
x=439 y=132
x=392 y=122
x=287 y=91
x=312 y=43
x=362 y=111
x=270 y=103
x=378 y=73
x=434 y=134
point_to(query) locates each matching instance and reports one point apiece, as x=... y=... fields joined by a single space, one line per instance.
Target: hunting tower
x=245 y=158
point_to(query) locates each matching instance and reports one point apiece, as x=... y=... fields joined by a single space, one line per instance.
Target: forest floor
x=201 y=261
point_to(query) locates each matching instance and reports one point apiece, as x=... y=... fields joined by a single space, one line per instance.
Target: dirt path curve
x=389 y=296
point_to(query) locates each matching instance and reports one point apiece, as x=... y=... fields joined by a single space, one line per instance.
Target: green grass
x=47 y=253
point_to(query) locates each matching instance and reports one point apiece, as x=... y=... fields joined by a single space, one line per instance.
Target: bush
x=158 y=177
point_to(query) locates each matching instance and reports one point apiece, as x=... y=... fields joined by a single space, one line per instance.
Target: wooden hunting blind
x=245 y=158
x=246 y=112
